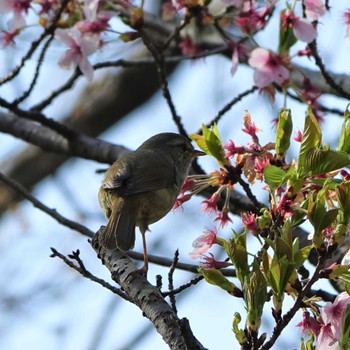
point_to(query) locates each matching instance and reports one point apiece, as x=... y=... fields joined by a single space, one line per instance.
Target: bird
x=141 y=187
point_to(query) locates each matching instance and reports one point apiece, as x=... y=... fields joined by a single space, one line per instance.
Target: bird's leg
x=144 y=269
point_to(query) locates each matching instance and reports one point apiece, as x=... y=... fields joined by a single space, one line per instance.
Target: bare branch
x=84 y=272
x=51 y=212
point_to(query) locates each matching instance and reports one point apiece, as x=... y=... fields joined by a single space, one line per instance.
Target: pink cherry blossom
x=48 y=5
x=239 y=53
x=19 y=9
x=181 y=200
x=269 y=67
x=303 y=30
x=189 y=47
x=347 y=22
x=315 y=8
x=209 y=262
x=203 y=243
x=8 y=38
x=250 y=20
x=210 y=205
x=248 y=220
x=80 y=47
x=309 y=324
x=298 y=137
x=326 y=340
x=95 y=21
x=333 y=313
x=223 y=218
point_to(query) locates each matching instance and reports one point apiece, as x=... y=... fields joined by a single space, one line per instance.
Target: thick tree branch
x=148 y=298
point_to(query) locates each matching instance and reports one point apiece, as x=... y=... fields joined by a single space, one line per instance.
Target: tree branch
x=148 y=298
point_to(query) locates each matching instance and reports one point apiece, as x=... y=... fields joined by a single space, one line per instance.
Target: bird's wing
x=138 y=177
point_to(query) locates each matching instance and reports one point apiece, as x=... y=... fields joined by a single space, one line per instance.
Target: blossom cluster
x=80 y=26
x=327 y=326
x=82 y=22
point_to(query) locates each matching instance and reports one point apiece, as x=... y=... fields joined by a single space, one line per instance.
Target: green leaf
x=300 y=255
x=216 y=278
x=274 y=176
x=311 y=139
x=344 y=140
x=343 y=196
x=283 y=131
x=239 y=333
x=237 y=251
x=255 y=296
x=214 y=144
x=211 y=144
x=319 y=161
x=286 y=38
x=319 y=217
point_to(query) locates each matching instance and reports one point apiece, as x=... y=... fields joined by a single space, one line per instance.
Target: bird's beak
x=197 y=153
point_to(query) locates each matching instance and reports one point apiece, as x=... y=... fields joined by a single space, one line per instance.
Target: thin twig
x=171 y=280
x=84 y=272
x=250 y=194
x=284 y=321
x=51 y=212
x=36 y=73
x=330 y=81
x=35 y=44
x=189 y=284
x=160 y=63
x=320 y=107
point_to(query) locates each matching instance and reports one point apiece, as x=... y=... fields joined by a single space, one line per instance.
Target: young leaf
x=343 y=196
x=320 y=161
x=237 y=252
x=216 y=278
x=211 y=144
x=255 y=296
x=212 y=139
x=283 y=131
x=311 y=139
x=274 y=176
x=239 y=333
x=344 y=140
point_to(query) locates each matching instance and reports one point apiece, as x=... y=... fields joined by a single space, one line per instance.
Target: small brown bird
x=141 y=187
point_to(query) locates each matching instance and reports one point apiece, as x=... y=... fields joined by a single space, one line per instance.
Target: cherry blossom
x=80 y=47
x=326 y=340
x=189 y=47
x=223 y=217
x=298 y=137
x=19 y=9
x=269 y=67
x=333 y=313
x=210 y=205
x=209 y=262
x=181 y=200
x=248 y=220
x=309 y=324
x=250 y=20
x=302 y=29
x=203 y=243
x=95 y=21
x=8 y=38
x=347 y=22
x=314 y=8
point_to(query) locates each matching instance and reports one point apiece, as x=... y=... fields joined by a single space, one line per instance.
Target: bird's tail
x=120 y=230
